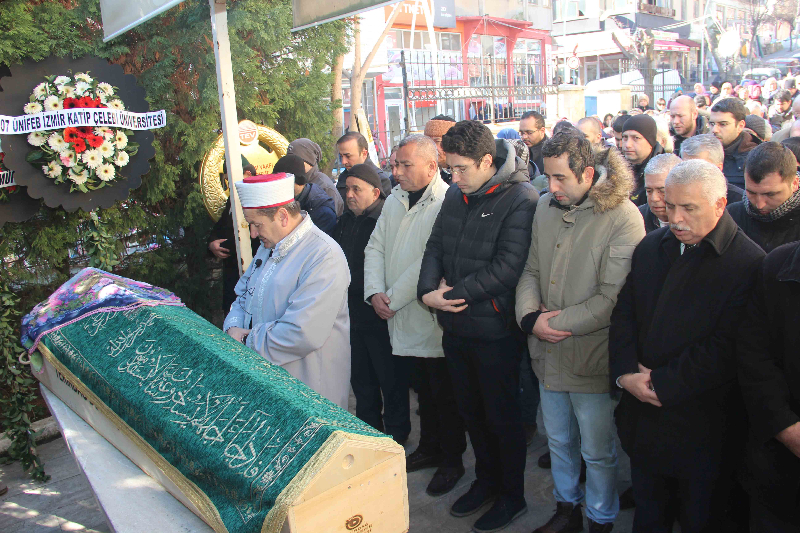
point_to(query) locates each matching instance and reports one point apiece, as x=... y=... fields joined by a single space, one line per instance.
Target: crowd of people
x=636 y=276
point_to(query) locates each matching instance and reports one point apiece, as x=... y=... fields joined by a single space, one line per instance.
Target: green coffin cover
x=238 y=435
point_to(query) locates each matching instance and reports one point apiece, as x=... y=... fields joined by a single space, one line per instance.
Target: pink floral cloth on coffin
x=88 y=292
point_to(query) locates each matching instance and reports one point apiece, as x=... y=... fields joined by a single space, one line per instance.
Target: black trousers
x=440 y=424
x=485 y=378
x=698 y=504
x=380 y=382
x=763 y=520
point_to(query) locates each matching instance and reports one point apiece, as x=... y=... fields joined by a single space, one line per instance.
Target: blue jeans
x=582 y=424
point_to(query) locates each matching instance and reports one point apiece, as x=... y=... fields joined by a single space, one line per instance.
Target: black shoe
x=626 y=500
x=502 y=513
x=594 y=527
x=475 y=498
x=530 y=432
x=421 y=459
x=568 y=519
x=544 y=460
x=444 y=480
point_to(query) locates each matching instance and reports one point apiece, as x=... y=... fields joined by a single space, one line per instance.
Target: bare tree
x=359 y=69
x=641 y=50
x=785 y=11
x=757 y=15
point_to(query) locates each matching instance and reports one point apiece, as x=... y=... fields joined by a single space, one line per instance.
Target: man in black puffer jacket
x=470 y=269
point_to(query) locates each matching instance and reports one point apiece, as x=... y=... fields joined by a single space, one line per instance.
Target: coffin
x=240 y=442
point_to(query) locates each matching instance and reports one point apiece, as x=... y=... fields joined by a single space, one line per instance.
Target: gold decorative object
x=260 y=145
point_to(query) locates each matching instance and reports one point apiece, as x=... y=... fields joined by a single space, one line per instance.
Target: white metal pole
x=230 y=127
x=437 y=78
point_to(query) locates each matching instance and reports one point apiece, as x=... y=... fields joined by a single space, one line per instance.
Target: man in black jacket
x=354 y=150
x=727 y=124
x=708 y=148
x=312 y=198
x=769 y=375
x=673 y=333
x=310 y=153
x=685 y=121
x=532 y=132
x=654 y=211
x=471 y=266
x=639 y=146
x=222 y=244
x=374 y=369
x=770 y=211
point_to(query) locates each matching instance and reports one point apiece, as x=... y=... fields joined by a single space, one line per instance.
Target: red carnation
x=94 y=141
x=85 y=101
x=70 y=103
x=71 y=135
x=98 y=103
x=84 y=131
x=12 y=188
x=79 y=145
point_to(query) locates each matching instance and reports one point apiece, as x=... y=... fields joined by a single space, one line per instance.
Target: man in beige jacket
x=392 y=262
x=584 y=233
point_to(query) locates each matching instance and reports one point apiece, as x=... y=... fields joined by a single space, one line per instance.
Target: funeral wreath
x=86 y=157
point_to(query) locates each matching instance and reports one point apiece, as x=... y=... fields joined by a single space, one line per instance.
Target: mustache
x=679 y=227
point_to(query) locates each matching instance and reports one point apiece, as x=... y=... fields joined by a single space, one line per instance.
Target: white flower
x=82 y=76
x=81 y=87
x=122 y=140
x=57 y=142
x=61 y=80
x=116 y=104
x=104 y=89
x=68 y=158
x=79 y=178
x=52 y=103
x=53 y=169
x=67 y=91
x=41 y=91
x=122 y=159
x=32 y=107
x=105 y=172
x=106 y=149
x=37 y=138
x=104 y=131
x=92 y=158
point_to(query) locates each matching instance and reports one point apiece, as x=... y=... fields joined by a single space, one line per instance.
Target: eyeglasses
x=460 y=169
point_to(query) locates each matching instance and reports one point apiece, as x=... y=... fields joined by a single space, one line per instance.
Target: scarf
x=792 y=203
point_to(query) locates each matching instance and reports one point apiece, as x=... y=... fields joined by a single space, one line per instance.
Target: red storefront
x=479 y=53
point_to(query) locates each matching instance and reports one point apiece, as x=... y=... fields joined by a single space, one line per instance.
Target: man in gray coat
x=583 y=236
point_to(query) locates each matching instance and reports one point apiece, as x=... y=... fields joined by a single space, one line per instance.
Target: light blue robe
x=295 y=303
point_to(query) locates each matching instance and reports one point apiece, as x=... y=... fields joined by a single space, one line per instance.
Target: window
x=533 y=2
x=741 y=15
x=450 y=41
x=696 y=8
x=684 y=10
x=575 y=9
x=720 y=15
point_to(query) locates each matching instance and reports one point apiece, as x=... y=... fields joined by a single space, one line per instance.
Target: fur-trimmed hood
x=613 y=181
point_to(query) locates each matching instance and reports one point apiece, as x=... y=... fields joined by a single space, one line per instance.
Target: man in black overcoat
x=769 y=374
x=672 y=351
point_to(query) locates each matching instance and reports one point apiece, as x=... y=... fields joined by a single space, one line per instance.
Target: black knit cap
x=368 y=173
x=292 y=164
x=645 y=125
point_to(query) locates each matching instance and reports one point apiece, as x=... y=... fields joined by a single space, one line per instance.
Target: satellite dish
x=729 y=44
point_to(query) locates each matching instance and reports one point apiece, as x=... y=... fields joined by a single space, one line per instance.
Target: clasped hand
x=437 y=300
x=640 y=385
x=543 y=330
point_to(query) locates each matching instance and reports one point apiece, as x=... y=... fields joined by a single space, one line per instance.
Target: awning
x=670 y=46
x=688 y=42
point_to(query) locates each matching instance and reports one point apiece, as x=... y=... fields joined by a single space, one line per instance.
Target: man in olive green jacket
x=584 y=234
